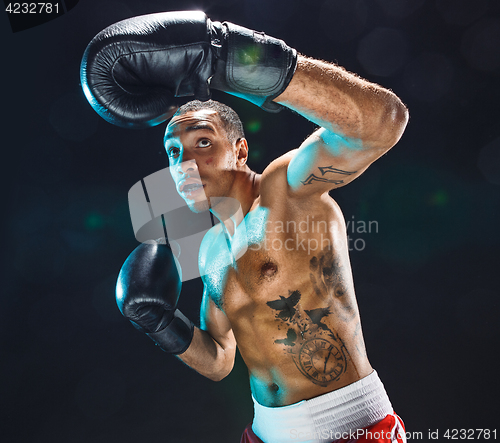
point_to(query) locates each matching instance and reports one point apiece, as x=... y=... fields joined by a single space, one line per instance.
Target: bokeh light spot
x=400 y=8
x=383 y=51
x=253 y=126
x=72 y=118
x=429 y=76
x=461 y=12
x=255 y=152
x=480 y=45
x=94 y=221
x=343 y=21
x=270 y=15
x=439 y=198
x=489 y=161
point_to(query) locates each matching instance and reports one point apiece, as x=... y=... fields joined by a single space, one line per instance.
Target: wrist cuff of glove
x=177 y=336
x=252 y=65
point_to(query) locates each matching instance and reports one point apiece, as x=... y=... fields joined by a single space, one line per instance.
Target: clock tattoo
x=320 y=360
x=316 y=350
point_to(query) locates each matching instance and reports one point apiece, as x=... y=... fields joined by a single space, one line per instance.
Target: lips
x=190 y=186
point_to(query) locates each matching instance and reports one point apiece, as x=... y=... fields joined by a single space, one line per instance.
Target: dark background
x=73 y=370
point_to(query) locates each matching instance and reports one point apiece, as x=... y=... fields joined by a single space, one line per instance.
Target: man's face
x=202 y=160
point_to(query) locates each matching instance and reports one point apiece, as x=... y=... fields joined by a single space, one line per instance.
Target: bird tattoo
x=285 y=305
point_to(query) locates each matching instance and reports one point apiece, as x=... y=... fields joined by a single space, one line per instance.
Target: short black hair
x=230 y=120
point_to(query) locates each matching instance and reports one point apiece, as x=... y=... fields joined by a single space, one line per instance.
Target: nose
x=187 y=167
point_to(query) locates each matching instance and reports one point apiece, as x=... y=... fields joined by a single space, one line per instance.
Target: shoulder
x=207 y=246
x=279 y=165
x=273 y=181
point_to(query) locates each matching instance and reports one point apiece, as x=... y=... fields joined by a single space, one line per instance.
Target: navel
x=273 y=387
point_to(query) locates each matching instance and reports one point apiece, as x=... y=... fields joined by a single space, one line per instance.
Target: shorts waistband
x=317 y=420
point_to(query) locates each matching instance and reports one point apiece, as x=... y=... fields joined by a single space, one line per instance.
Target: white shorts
x=326 y=418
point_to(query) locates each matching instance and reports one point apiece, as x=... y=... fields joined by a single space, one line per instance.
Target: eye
x=173 y=152
x=204 y=143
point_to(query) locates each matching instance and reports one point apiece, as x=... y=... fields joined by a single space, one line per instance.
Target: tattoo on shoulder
x=313 y=178
x=324 y=170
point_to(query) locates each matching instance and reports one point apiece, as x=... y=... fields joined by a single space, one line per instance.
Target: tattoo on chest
x=285 y=305
x=326 y=170
x=317 y=351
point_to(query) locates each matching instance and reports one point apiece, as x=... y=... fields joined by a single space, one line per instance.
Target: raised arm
x=360 y=121
x=132 y=71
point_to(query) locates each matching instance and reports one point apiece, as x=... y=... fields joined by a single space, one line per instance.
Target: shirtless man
x=288 y=300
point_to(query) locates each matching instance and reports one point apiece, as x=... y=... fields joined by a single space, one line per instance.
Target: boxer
x=288 y=302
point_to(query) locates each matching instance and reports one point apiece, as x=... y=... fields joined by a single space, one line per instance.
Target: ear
x=241 y=151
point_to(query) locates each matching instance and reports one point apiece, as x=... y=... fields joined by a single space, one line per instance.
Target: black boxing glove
x=251 y=64
x=147 y=292
x=132 y=70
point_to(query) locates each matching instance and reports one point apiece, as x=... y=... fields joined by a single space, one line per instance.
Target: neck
x=231 y=210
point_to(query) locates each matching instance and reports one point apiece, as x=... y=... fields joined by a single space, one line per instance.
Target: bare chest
x=270 y=252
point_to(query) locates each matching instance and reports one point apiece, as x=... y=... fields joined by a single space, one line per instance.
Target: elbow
x=224 y=365
x=402 y=116
x=398 y=117
x=220 y=374
x=390 y=125
x=218 y=377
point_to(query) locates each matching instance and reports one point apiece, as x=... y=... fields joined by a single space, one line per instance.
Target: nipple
x=269 y=269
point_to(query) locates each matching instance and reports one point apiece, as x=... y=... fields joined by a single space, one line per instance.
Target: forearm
x=207 y=357
x=345 y=104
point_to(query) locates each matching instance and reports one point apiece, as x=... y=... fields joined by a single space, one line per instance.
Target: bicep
x=327 y=161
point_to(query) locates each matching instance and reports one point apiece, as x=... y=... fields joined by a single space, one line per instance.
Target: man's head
x=228 y=118
x=206 y=147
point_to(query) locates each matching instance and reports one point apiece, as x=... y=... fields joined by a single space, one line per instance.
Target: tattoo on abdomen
x=321 y=360
x=318 y=353
x=324 y=170
x=327 y=277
